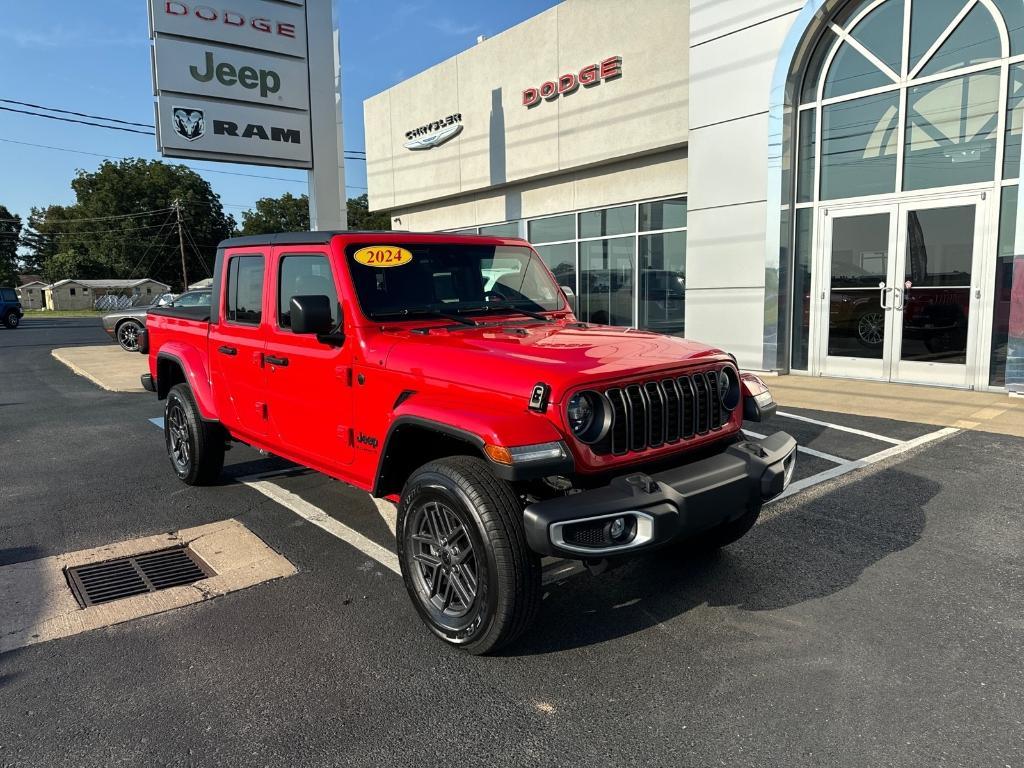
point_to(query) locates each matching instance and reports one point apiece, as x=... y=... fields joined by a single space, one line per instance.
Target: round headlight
x=581 y=412
x=589 y=416
x=728 y=388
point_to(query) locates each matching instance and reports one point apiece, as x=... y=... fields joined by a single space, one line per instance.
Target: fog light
x=617 y=529
x=789 y=467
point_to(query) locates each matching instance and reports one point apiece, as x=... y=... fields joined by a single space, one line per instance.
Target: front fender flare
x=477 y=428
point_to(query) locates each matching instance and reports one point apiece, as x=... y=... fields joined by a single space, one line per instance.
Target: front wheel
x=195 y=447
x=11 y=320
x=464 y=557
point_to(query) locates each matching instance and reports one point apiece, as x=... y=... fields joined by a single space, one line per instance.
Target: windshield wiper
x=425 y=312
x=500 y=307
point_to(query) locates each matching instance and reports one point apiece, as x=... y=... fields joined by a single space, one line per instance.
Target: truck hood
x=511 y=357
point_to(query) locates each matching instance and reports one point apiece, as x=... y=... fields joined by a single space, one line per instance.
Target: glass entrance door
x=897 y=292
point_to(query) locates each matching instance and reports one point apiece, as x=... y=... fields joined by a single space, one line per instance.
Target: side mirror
x=570 y=296
x=312 y=314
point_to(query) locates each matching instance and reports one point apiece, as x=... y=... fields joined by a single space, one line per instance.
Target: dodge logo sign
x=190 y=124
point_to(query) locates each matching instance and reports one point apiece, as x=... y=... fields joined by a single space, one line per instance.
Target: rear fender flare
x=193 y=365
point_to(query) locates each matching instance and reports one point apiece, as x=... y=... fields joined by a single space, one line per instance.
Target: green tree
x=360 y=217
x=122 y=225
x=10 y=232
x=286 y=213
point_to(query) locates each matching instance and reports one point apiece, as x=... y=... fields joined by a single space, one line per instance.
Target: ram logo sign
x=190 y=124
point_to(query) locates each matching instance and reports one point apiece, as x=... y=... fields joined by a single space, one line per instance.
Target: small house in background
x=205 y=283
x=30 y=292
x=82 y=294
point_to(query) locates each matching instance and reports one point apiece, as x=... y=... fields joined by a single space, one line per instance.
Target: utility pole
x=181 y=245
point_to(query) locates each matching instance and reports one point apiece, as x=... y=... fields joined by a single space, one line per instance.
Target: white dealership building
x=826 y=187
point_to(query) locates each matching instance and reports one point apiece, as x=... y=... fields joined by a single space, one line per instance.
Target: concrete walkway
x=107 y=366
x=963 y=409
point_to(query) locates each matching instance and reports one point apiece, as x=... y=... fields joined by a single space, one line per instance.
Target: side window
x=245 y=290
x=304 y=275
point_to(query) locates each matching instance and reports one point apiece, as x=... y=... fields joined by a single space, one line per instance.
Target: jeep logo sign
x=195 y=127
x=267 y=79
x=229 y=73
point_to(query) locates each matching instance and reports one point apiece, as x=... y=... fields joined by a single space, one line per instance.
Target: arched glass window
x=903 y=95
x=896 y=98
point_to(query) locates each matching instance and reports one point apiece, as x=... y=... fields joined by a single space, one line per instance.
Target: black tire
x=195 y=447
x=461 y=494
x=722 y=535
x=11 y=320
x=127 y=333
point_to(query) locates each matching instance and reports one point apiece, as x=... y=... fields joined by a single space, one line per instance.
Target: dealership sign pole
x=256 y=83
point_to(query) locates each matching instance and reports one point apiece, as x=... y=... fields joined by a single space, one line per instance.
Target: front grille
x=98 y=583
x=653 y=413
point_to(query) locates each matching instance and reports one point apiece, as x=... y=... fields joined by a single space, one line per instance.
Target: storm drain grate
x=98 y=583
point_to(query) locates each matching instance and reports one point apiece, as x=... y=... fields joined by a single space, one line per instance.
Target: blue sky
x=94 y=58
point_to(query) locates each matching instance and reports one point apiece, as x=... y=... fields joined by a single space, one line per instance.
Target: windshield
x=455 y=278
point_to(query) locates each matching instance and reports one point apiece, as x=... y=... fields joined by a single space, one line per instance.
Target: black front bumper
x=663 y=507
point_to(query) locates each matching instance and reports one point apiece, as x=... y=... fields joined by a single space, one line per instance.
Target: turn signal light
x=498 y=453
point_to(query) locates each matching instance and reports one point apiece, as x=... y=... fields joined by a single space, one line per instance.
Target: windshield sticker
x=382 y=256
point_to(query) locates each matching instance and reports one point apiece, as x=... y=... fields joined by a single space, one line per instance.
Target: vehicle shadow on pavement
x=811 y=551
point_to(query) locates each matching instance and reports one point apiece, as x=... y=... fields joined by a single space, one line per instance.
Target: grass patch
x=63 y=313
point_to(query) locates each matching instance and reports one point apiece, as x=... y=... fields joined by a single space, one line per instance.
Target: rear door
x=309 y=384
x=237 y=344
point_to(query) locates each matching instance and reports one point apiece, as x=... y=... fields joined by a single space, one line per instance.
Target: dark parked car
x=10 y=307
x=124 y=325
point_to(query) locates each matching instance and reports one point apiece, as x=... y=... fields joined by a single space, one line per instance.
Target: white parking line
x=874 y=458
x=841 y=428
x=803 y=449
x=321 y=519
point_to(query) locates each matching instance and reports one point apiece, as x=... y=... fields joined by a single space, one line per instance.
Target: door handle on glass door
x=882 y=290
x=898 y=299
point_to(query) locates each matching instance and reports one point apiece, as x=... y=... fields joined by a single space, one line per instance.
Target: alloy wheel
x=871 y=328
x=444 y=564
x=128 y=336
x=177 y=430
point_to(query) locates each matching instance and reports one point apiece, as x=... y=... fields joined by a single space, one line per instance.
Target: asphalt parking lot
x=873 y=617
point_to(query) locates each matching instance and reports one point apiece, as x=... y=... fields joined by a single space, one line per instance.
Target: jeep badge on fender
x=505 y=430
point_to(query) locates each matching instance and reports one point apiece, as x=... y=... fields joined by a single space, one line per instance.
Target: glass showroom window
x=626 y=264
x=904 y=96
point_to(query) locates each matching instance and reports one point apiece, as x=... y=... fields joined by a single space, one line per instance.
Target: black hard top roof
x=322 y=237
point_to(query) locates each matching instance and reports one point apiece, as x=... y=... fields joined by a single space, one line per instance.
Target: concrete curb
x=96 y=365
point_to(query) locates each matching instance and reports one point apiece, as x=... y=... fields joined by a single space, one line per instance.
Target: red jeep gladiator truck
x=449 y=374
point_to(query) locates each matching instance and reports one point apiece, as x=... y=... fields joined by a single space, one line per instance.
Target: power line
x=117 y=157
x=73 y=120
x=77 y=114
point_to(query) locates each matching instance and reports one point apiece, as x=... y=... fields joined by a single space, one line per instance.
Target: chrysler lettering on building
x=434 y=134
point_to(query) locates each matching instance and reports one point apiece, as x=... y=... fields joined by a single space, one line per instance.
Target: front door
x=898 y=289
x=309 y=383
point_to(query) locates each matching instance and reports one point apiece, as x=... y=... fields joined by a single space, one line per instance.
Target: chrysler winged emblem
x=190 y=124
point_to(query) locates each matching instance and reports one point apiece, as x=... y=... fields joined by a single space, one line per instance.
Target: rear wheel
x=128 y=335
x=11 y=320
x=464 y=557
x=195 y=447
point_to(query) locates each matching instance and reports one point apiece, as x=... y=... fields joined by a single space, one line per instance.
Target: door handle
x=226 y=350
x=899 y=298
x=279 y=361
x=882 y=290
